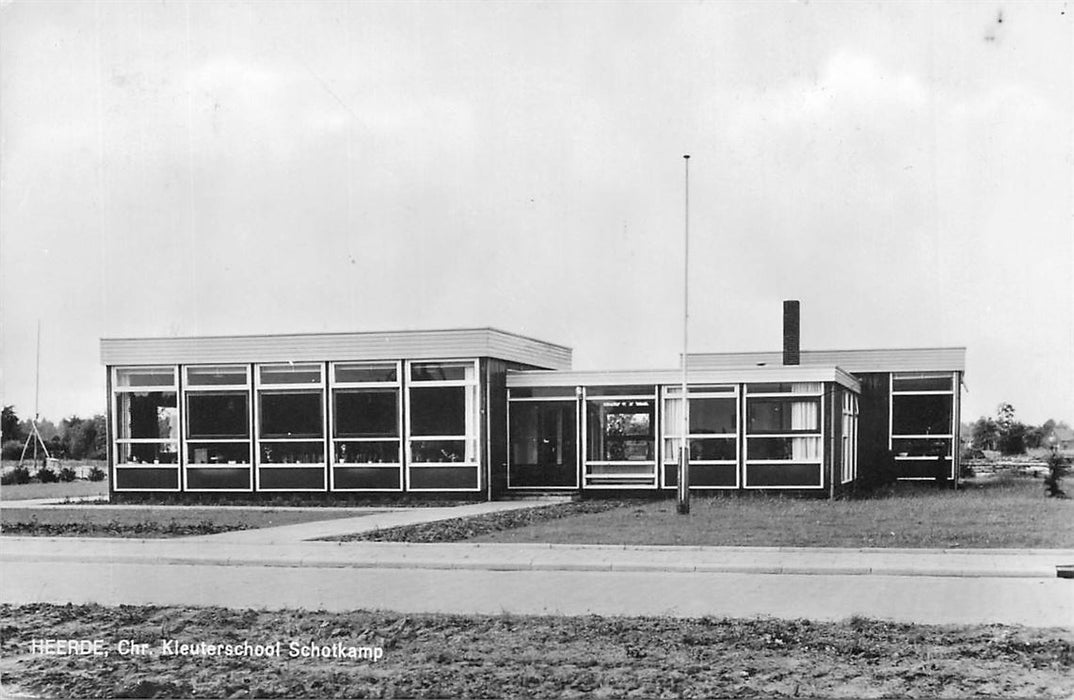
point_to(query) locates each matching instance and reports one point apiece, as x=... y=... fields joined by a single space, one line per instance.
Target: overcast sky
x=904 y=169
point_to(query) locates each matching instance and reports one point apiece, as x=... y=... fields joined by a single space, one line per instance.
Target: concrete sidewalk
x=1033 y=564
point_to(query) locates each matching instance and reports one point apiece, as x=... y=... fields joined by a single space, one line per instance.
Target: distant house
x=1064 y=439
x=482 y=412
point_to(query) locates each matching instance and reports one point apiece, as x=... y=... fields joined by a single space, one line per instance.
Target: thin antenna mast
x=683 y=490
x=34 y=435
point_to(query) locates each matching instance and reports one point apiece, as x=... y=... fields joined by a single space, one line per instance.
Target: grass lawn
x=513 y=656
x=145 y=522
x=1004 y=512
x=74 y=490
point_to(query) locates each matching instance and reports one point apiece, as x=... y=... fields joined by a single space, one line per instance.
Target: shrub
x=96 y=474
x=1058 y=466
x=18 y=475
x=47 y=476
x=11 y=450
x=68 y=474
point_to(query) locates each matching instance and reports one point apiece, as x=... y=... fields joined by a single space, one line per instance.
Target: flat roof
x=949 y=359
x=454 y=343
x=724 y=375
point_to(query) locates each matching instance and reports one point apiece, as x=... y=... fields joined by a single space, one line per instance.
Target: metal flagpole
x=683 y=491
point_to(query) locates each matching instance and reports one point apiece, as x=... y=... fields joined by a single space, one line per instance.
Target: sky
x=195 y=168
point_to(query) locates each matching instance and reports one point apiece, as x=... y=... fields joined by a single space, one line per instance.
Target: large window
x=620 y=437
x=713 y=436
x=543 y=440
x=146 y=419
x=784 y=443
x=366 y=435
x=218 y=447
x=291 y=427
x=442 y=426
x=922 y=424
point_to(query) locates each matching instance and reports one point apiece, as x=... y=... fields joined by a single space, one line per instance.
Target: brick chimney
x=791 y=332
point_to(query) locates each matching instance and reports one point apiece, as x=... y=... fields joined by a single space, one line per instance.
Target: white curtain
x=804 y=416
x=672 y=426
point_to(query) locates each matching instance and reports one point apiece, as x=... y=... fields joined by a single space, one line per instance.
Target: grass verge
x=458 y=529
x=60 y=490
x=1003 y=512
x=146 y=523
x=511 y=656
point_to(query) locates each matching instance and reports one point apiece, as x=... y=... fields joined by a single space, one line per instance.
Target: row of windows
x=922 y=416
x=365 y=416
x=619 y=431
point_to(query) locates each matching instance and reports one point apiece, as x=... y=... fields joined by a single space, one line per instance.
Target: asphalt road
x=1037 y=602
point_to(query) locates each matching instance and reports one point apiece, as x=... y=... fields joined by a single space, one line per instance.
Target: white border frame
x=577 y=462
x=116 y=441
x=292 y=388
x=584 y=420
x=333 y=385
x=185 y=440
x=952 y=455
x=819 y=435
x=701 y=392
x=475 y=387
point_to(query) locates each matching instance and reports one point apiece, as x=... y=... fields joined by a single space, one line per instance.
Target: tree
x=1012 y=434
x=84 y=438
x=9 y=425
x=985 y=433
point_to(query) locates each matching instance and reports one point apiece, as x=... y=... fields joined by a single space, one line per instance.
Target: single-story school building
x=482 y=412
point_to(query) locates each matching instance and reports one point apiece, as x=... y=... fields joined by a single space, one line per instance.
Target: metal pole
x=683 y=491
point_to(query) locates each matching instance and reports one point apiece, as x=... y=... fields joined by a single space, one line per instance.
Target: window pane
x=790 y=448
x=148 y=453
x=366 y=373
x=217 y=415
x=291 y=374
x=145 y=376
x=216 y=376
x=367 y=413
x=921 y=383
x=441 y=371
x=921 y=447
x=291 y=415
x=712 y=416
x=636 y=390
x=782 y=415
x=379 y=452
x=438 y=410
x=147 y=415
x=784 y=388
x=702 y=450
x=292 y=453
x=440 y=451
x=921 y=415
x=218 y=452
x=537 y=392
x=620 y=430
x=542 y=433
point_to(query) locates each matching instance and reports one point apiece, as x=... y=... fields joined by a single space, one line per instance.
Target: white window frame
x=577 y=443
x=850 y=437
x=188 y=389
x=952 y=377
x=671 y=432
x=302 y=387
x=333 y=386
x=819 y=435
x=472 y=425
x=652 y=477
x=118 y=442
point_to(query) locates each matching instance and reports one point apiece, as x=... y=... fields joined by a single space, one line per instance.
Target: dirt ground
x=509 y=656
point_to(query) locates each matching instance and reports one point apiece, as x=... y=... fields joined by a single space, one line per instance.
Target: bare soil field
x=507 y=656
x=143 y=522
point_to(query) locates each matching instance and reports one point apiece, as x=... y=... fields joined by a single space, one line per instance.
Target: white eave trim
x=727 y=375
